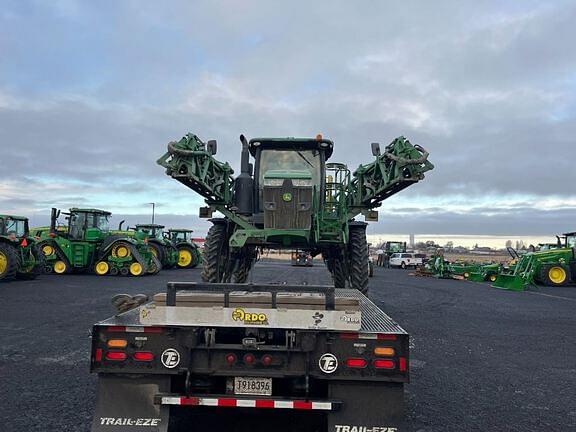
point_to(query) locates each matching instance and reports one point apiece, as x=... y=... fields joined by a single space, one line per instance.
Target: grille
x=283 y=213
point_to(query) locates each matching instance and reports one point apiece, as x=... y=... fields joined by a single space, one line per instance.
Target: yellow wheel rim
x=102 y=268
x=59 y=267
x=154 y=252
x=3 y=263
x=121 y=251
x=184 y=258
x=466 y=275
x=493 y=278
x=47 y=250
x=557 y=275
x=136 y=269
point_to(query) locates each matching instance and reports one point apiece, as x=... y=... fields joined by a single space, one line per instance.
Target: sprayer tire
x=215 y=253
x=358 y=258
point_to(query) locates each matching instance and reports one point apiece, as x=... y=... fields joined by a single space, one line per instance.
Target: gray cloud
x=89 y=100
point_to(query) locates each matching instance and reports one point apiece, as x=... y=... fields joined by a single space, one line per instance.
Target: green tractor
x=291 y=198
x=189 y=255
x=20 y=256
x=87 y=244
x=552 y=267
x=159 y=243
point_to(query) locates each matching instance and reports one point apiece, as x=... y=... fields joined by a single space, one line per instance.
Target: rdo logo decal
x=328 y=363
x=170 y=358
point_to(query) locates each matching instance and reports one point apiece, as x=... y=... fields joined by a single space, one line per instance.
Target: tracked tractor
x=291 y=198
x=87 y=245
x=20 y=256
x=552 y=267
x=189 y=255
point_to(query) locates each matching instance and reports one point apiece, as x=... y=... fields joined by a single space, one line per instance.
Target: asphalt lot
x=482 y=359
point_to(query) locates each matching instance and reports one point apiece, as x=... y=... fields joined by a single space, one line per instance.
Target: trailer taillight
x=384 y=351
x=266 y=360
x=403 y=365
x=144 y=356
x=231 y=359
x=116 y=355
x=357 y=363
x=98 y=355
x=249 y=359
x=117 y=343
x=384 y=364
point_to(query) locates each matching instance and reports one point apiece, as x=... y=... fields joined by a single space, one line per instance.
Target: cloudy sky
x=91 y=92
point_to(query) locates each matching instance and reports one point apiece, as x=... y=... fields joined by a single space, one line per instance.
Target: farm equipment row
x=86 y=244
x=551 y=265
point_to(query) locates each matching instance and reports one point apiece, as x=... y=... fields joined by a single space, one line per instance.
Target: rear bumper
x=246 y=402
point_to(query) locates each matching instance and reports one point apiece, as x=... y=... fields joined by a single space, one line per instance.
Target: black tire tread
x=13 y=262
x=358 y=252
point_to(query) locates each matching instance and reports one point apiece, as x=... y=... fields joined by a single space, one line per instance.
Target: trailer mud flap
x=127 y=404
x=374 y=407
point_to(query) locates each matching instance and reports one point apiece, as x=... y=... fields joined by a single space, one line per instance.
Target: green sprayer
x=291 y=198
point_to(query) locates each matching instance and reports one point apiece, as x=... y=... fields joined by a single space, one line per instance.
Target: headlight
x=273 y=182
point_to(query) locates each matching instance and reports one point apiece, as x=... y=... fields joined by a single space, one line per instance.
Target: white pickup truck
x=404 y=260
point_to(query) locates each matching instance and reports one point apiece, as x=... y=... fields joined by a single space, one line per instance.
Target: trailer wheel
x=555 y=275
x=358 y=250
x=9 y=262
x=215 y=256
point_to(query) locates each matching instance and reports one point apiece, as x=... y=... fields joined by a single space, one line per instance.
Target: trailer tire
x=215 y=256
x=358 y=253
x=9 y=262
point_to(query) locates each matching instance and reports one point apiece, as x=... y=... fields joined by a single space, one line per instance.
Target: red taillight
x=230 y=359
x=116 y=329
x=249 y=359
x=384 y=364
x=348 y=335
x=144 y=356
x=116 y=355
x=98 y=355
x=387 y=337
x=356 y=363
x=403 y=365
x=152 y=329
x=266 y=360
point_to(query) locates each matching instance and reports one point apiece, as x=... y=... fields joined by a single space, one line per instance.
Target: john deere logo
x=287 y=197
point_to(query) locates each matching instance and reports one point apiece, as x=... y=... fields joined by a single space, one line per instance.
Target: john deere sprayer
x=20 y=256
x=189 y=255
x=291 y=198
x=87 y=245
x=553 y=267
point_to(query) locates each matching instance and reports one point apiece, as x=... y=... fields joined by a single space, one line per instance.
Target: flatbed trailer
x=308 y=373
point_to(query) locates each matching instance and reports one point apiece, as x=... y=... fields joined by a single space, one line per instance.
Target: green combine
x=20 y=256
x=291 y=198
x=87 y=245
x=552 y=267
x=189 y=255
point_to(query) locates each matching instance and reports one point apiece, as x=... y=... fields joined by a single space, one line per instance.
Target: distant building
x=411 y=242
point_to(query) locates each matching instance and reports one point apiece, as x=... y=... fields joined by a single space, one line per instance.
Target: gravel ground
x=482 y=359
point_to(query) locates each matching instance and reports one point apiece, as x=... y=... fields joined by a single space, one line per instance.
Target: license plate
x=253 y=386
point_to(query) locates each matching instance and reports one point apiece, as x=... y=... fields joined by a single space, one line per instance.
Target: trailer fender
x=126 y=403
x=367 y=407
